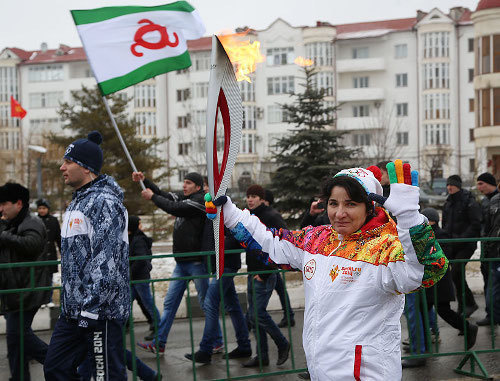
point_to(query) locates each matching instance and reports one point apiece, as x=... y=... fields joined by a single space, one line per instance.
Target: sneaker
x=51 y=305
x=43 y=306
x=304 y=375
x=238 y=353
x=254 y=362
x=218 y=349
x=150 y=346
x=200 y=357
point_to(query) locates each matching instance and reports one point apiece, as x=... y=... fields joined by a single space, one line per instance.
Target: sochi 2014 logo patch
x=310 y=269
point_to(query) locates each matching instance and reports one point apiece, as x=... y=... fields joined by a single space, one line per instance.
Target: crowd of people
x=365 y=250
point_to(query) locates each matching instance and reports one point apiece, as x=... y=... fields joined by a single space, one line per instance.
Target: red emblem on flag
x=16 y=111
x=152 y=27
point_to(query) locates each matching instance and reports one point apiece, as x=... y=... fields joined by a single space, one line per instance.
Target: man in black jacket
x=262 y=285
x=461 y=219
x=22 y=239
x=53 y=237
x=487 y=185
x=189 y=210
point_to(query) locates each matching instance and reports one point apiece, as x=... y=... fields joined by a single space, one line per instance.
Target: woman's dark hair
x=353 y=188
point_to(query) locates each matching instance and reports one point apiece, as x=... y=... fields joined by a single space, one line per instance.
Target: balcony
x=362 y=123
x=360 y=64
x=363 y=94
x=487 y=136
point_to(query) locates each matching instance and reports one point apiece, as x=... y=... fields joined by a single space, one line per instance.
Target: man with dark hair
x=384 y=181
x=95 y=295
x=22 y=239
x=53 y=237
x=189 y=209
x=461 y=219
x=262 y=285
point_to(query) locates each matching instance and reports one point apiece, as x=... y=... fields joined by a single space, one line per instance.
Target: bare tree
x=434 y=158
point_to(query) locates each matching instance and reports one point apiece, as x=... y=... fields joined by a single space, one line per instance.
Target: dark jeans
x=456 y=275
x=142 y=293
x=263 y=290
x=284 y=299
x=232 y=305
x=34 y=348
x=70 y=345
x=495 y=290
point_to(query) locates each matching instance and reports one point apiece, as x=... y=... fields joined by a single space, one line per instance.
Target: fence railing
x=471 y=357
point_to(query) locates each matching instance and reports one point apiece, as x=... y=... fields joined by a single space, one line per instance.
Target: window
x=248 y=142
x=200 y=90
x=280 y=56
x=436 y=134
x=201 y=61
x=436 y=44
x=182 y=71
x=144 y=96
x=436 y=75
x=50 y=99
x=489 y=104
x=361 y=139
x=401 y=51
x=45 y=125
x=471 y=44
x=401 y=109
x=181 y=174
x=402 y=138
x=324 y=81
x=146 y=122
x=485 y=55
x=471 y=134
x=472 y=165
x=247 y=91
x=8 y=84
x=437 y=106
x=402 y=80
x=184 y=148
x=9 y=140
x=280 y=85
x=496 y=53
x=359 y=82
x=471 y=75
x=182 y=121
x=471 y=104
x=320 y=52
x=360 y=111
x=249 y=117
x=200 y=117
x=5 y=118
x=360 y=52
x=275 y=114
x=45 y=73
x=182 y=95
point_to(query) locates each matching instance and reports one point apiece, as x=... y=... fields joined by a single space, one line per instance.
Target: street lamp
x=41 y=150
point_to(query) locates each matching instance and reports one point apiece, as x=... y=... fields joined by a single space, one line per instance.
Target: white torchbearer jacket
x=354 y=288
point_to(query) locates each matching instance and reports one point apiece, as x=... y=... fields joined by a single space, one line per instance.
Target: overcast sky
x=27 y=23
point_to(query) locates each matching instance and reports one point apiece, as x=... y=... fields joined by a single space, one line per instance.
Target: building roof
x=62 y=54
x=487 y=4
x=394 y=25
x=204 y=43
x=21 y=53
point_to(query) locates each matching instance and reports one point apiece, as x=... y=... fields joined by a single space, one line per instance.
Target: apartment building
x=405 y=88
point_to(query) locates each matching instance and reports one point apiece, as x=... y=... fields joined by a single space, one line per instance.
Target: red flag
x=16 y=111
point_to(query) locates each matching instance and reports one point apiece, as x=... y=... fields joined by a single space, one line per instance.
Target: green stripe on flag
x=89 y=16
x=147 y=71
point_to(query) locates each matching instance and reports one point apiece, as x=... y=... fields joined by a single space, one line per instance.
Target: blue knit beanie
x=86 y=152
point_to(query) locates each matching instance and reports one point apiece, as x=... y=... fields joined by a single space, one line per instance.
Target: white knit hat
x=365 y=178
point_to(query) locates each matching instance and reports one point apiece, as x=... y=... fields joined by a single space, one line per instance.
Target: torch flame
x=301 y=61
x=242 y=53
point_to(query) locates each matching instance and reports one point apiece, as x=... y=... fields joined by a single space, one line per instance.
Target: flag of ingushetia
x=127 y=45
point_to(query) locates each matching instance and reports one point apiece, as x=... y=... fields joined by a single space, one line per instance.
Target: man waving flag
x=129 y=44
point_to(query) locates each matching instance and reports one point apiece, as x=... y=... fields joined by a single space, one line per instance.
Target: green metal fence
x=470 y=357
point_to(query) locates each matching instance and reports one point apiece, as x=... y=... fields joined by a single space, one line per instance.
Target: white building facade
x=404 y=88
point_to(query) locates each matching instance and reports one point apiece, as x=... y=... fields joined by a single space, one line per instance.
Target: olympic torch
x=224 y=97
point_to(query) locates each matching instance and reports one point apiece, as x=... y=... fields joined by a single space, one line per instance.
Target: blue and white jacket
x=94 y=253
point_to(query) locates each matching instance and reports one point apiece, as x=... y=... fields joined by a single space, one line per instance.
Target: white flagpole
x=124 y=146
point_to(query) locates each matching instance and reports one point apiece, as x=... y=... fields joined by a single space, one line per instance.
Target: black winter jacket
x=190 y=219
x=445 y=288
x=53 y=238
x=493 y=248
x=485 y=210
x=23 y=240
x=317 y=220
x=140 y=245
x=272 y=219
x=462 y=219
